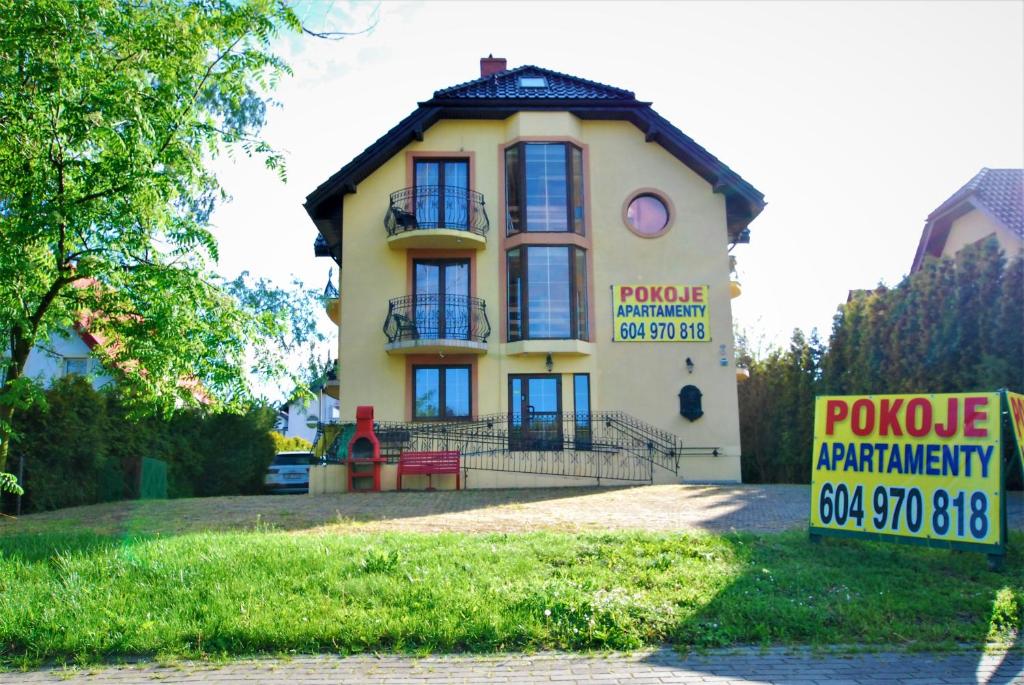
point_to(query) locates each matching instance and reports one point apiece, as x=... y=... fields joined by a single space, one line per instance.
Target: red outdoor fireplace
x=364 y=458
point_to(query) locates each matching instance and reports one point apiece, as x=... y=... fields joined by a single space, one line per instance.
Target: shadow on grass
x=796 y=593
x=34 y=548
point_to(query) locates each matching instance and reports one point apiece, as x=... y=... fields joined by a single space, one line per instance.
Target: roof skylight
x=533 y=82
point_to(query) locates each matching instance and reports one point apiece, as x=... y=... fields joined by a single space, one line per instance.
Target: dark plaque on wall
x=689 y=402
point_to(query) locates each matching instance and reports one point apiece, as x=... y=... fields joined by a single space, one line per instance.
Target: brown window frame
x=575 y=253
x=442 y=292
x=524 y=378
x=439 y=220
x=575 y=197
x=441 y=390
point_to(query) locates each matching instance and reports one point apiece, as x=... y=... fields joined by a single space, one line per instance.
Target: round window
x=647 y=215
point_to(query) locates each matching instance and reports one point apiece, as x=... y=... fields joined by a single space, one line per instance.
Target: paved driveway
x=766 y=508
x=652 y=507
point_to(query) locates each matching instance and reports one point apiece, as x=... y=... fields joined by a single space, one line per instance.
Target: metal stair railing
x=608 y=445
x=668 y=446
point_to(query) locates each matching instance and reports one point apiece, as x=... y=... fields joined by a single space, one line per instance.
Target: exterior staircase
x=604 y=446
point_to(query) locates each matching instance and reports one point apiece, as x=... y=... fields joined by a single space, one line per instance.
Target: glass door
x=441 y=298
x=583 y=434
x=535 y=412
x=442 y=193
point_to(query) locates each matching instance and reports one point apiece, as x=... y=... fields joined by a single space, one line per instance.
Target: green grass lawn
x=85 y=597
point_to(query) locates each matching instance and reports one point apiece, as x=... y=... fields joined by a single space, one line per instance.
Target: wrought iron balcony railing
x=424 y=207
x=436 y=317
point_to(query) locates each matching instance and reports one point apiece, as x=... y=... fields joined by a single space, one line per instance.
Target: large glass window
x=441 y=290
x=442 y=193
x=547 y=293
x=544 y=188
x=547 y=296
x=441 y=392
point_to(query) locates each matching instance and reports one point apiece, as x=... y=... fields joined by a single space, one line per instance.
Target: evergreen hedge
x=957 y=325
x=83 y=448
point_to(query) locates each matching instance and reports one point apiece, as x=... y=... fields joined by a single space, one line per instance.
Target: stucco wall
x=332 y=479
x=976 y=225
x=323 y=407
x=642 y=379
x=46 y=362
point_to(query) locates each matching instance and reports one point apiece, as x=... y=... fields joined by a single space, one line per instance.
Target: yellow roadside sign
x=926 y=468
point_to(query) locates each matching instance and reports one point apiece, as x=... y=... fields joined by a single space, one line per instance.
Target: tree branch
x=100 y=193
x=338 y=35
x=47 y=300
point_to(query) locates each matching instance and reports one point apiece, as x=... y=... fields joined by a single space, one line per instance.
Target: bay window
x=544 y=188
x=547 y=293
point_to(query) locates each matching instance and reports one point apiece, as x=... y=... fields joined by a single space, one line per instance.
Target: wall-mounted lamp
x=549 y=363
x=689 y=365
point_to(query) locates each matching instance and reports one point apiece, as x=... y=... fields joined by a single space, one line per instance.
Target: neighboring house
x=990 y=204
x=66 y=354
x=299 y=418
x=513 y=205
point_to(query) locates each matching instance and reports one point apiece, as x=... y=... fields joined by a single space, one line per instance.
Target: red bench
x=429 y=463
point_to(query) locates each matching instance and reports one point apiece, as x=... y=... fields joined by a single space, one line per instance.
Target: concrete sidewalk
x=656 y=667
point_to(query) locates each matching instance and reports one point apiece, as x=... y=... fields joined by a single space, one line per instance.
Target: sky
x=855 y=120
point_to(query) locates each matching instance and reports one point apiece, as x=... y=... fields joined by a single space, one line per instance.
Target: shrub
x=954 y=326
x=293 y=444
x=81 y=447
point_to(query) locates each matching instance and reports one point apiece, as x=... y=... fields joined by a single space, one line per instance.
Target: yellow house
x=990 y=204
x=535 y=271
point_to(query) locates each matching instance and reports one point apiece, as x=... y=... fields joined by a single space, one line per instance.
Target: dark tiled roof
x=505 y=85
x=499 y=95
x=1000 y=191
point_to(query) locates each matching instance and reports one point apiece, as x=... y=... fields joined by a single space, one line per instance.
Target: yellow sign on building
x=922 y=467
x=660 y=313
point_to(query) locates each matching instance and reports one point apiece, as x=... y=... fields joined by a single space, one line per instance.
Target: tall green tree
x=109 y=113
x=956 y=325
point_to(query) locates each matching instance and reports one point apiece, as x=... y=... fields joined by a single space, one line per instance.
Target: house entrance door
x=535 y=412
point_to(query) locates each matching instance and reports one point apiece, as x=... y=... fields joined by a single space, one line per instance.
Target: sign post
x=918 y=469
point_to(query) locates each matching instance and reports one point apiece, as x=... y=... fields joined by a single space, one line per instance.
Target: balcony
x=427 y=324
x=438 y=217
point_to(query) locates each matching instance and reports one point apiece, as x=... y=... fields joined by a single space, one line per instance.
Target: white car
x=289 y=472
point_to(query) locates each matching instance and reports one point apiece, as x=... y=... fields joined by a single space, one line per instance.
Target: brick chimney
x=492 y=65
